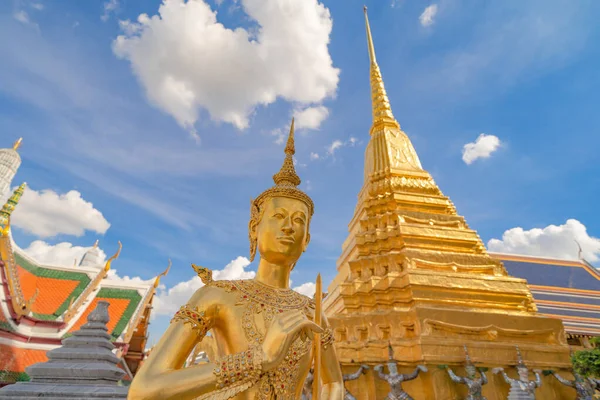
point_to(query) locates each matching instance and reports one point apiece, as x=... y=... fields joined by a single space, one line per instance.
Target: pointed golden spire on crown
x=287 y=174
x=17 y=144
x=382 y=111
x=10 y=205
x=96 y=243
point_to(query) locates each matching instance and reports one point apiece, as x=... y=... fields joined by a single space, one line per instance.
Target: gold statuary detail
x=194 y=317
x=327 y=338
x=263 y=331
x=235 y=373
x=266 y=302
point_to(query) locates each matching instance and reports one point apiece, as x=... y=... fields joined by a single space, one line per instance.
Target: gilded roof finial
x=96 y=244
x=164 y=273
x=287 y=174
x=114 y=257
x=17 y=144
x=382 y=111
x=10 y=205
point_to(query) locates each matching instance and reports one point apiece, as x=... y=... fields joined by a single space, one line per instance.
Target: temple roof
x=62 y=296
x=564 y=289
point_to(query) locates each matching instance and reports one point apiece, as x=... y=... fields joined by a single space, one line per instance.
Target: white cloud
x=307 y=289
x=168 y=301
x=310 y=117
x=336 y=144
x=37 y=6
x=47 y=213
x=62 y=254
x=551 y=241
x=187 y=61
x=279 y=135
x=22 y=17
x=483 y=147
x=428 y=15
x=67 y=254
x=333 y=147
x=307 y=185
x=109 y=7
x=114 y=276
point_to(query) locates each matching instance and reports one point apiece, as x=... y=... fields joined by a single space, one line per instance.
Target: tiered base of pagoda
x=433 y=337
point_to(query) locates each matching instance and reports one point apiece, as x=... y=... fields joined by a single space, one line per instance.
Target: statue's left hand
x=422 y=368
x=538 y=371
x=497 y=370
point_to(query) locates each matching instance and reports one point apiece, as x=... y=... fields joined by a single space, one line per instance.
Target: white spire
x=10 y=161
x=92 y=257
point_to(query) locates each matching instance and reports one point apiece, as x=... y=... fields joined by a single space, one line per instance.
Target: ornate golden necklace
x=263 y=300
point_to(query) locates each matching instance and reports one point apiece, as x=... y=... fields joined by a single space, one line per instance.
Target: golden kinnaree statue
x=264 y=331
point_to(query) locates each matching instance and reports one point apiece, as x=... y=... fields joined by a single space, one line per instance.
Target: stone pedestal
x=83 y=368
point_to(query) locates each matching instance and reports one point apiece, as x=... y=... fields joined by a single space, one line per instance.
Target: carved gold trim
x=415 y=263
x=432 y=222
x=488 y=332
x=19 y=304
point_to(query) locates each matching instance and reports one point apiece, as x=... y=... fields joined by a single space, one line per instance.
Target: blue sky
x=95 y=120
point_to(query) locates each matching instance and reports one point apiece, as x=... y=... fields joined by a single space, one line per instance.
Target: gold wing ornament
x=205 y=274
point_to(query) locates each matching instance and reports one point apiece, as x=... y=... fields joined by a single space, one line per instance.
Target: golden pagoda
x=413 y=275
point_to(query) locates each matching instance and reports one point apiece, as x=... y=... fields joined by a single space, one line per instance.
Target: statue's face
x=523 y=373
x=471 y=371
x=282 y=232
x=393 y=368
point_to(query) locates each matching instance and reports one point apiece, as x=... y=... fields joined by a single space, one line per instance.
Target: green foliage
x=587 y=362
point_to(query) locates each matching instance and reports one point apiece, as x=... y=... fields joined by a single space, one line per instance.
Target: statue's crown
x=390 y=352
x=286 y=180
x=467 y=356
x=520 y=362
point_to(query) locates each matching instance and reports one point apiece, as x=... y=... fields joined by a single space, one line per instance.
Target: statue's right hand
x=378 y=368
x=281 y=333
x=497 y=370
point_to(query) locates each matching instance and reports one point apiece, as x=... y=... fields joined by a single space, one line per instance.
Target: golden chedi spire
x=389 y=148
x=17 y=144
x=382 y=111
x=10 y=205
x=286 y=185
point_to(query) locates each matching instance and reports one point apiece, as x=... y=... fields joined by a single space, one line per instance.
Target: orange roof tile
x=52 y=292
x=116 y=310
x=15 y=359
